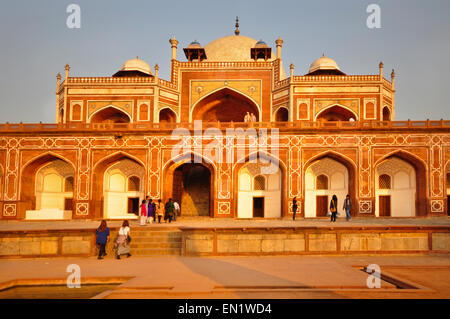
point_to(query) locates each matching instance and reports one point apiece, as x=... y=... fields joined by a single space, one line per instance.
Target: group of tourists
x=250 y=117
x=152 y=210
x=333 y=212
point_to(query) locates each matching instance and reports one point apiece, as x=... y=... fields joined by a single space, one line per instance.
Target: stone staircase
x=146 y=241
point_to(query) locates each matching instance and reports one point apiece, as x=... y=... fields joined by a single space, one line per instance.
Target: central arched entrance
x=189 y=181
x=225 y=105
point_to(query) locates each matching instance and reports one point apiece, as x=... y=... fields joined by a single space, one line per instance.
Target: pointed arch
x=169 y=176
x=386 y=113
x=27 y=186
x=252 y=105
x=270 y=158
x=336 y=107
x=420 y=167
x=167 y=114
x=281 y=114
x=351 y=169
x=98 y=177
x=108 y=108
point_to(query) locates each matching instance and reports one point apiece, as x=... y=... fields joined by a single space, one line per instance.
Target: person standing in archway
x=143 y=217
x=150 y=211
x=253 y=117
x=247 y=117
x=169 y=210
x=347 y=207
x=176 y=211
x=294 y=207
x=333 y=208
x=159 y=211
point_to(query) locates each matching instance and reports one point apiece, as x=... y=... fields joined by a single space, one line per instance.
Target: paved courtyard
x=245 y=277
x=219 y=222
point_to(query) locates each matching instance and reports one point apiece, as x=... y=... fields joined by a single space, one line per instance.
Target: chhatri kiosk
x=118 y=139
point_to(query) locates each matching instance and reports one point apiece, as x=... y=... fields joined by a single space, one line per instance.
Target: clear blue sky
x=36 y=43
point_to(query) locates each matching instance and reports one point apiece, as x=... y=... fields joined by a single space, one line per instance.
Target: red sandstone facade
x=324 y=114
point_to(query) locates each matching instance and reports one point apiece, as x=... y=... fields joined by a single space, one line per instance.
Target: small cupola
x=195 y=52
x=261 y=51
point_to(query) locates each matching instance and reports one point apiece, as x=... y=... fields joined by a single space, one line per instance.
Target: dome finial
x=236 y=31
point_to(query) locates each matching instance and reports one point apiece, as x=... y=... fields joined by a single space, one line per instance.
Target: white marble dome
x=137 y=65
x=323 y=63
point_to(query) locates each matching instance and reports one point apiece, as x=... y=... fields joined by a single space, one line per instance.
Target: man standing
x=253 y=117
x=294 y=207
x=348 y=207
x=150 y=211
x=169 y=208
x=176 y=211
x=247 y=117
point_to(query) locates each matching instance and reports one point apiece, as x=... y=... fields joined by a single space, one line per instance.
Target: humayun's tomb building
x=118 y=139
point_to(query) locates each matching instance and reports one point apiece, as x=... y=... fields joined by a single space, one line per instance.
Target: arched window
x=259 y=183
x=384 y=182
x=167 y=116
x=386 y=114
x=68 y=184
x=322 y=182
x=282 y=115
x=133 y=184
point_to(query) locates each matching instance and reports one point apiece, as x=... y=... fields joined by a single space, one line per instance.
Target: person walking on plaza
x=169 y=210
x=176 y=211
x=159 y=211
x=347 y=207
x=102 y=235
x=143 y=217
x=150 y=211
x=294 y=207
x=123 y=240
x=154 y=210
x=333 y=208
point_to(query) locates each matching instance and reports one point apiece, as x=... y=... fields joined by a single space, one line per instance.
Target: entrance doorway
x=448 y=205
x=133 y=205
x=258 y=206
x=385 y=205
x=321 y=205
x=68 y=204
x=191 y=188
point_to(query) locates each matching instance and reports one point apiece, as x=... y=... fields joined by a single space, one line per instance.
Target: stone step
x=155 y=239
x=155 y=251
x=156 y=245
x=155 y=234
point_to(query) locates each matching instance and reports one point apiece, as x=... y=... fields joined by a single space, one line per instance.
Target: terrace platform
x=220 y=237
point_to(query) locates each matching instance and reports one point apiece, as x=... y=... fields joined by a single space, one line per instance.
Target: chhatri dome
x=134 y=67
x=324 y=66
x=235 y=48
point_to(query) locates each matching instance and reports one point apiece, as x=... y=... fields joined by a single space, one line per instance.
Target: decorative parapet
x=108 y=80
x=337 y=78
x=299 y=125
x=215 y=65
